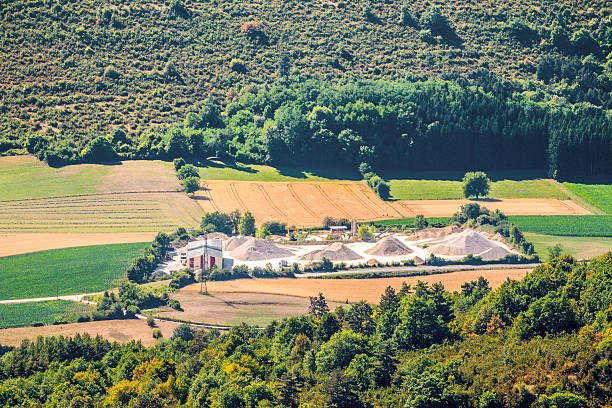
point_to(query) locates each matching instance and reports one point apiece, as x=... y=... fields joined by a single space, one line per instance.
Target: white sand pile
x=463 y=243
x=436 y=233
x=334 y=252
x=234 y=242
x=257 y=249
x=495 y=253
x=389 y=246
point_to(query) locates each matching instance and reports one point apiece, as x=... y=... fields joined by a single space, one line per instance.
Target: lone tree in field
x=476 y=184
x=191 y=185
x=247 y=224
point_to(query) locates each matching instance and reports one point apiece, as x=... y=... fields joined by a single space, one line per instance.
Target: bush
x=175 y=304
x=183 y=332
x=150 y=320
x=178 y=163
x=181 y=279
x=157 y=334
x=436 y=22
x=187 y=171
x=237 y=65
x=275 y=227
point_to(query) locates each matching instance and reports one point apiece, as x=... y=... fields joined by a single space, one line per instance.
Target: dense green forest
x=544 y=341
x=522 y=84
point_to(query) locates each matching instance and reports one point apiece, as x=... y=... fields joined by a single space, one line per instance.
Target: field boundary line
x=332 y=202
x=366 y=203
x=299 y=200
x=269 y=200
x=363 y=189
x=93 y=194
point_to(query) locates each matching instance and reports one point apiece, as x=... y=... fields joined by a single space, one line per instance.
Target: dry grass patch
x=233 y=308
x=122 y=331
x=353 y=290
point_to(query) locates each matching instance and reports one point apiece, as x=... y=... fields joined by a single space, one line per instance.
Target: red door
x=191 y=263
x=202 y=261
x=212 y=261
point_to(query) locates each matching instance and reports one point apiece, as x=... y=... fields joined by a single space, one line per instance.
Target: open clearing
x=306 y=203
x=579 y=247
x=23 y=177
x=67 y=271
x=353 y=290
x=122 y=331
x=16 y=244
x=24 y=314
x=234 y=308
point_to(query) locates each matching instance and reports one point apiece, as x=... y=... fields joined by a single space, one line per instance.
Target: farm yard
x=67 y=271
x=122 y=331
x=21 y=314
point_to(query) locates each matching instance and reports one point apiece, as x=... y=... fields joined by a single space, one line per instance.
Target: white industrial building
x=206 y=253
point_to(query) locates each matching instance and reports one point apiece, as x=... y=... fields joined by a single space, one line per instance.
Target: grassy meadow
x=579 y=247
x=216 y=170
x=599 y=195
x=24 y=177
x=67 y=271
x=25 y=314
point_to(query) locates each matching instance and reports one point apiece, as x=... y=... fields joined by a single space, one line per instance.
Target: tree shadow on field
x=485 y=200
x=224 y=165
x=333 y=173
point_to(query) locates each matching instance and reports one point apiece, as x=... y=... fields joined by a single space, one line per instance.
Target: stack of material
x=234 y=242
x=495 y=253
x=465 y=243
x=336 y=252
x=435 y=233
x=418 y=261
x=256 y=249
x=220 y=235
x=389 y=246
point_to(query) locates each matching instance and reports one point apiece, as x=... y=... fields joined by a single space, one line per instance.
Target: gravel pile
x=257 y=249
x=234 y=242
x=336 y=252
x=436 y=233
x=494 y=253
x=389 y=246
x=463 y=243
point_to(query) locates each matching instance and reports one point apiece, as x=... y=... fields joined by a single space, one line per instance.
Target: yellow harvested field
x=15 y=244
x=111 y=213
x=122 y=331
x=354 y=290
x=306 y=203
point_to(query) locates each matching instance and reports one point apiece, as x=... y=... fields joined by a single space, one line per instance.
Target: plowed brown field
x=306 y=203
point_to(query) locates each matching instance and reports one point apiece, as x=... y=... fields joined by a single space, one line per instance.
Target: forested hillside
x=542 y=342
x=78 y=69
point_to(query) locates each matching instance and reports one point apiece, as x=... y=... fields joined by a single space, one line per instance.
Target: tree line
x=478 y=124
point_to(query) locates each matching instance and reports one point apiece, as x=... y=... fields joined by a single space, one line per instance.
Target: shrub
x=237 y=65
x=150 y=320
x=188 y=170
x=275 y=227
x=157 y=334
x=175 y=304
x=436 y=22
x=178 y=163
x=251 y=29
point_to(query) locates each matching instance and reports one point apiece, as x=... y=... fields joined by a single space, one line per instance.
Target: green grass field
x=24 y=177
x=565 y=225
x=216 y=170
x=599 y=195
x=69 y=270
x=433 y=189
x=24 y=314
x=579 y=247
